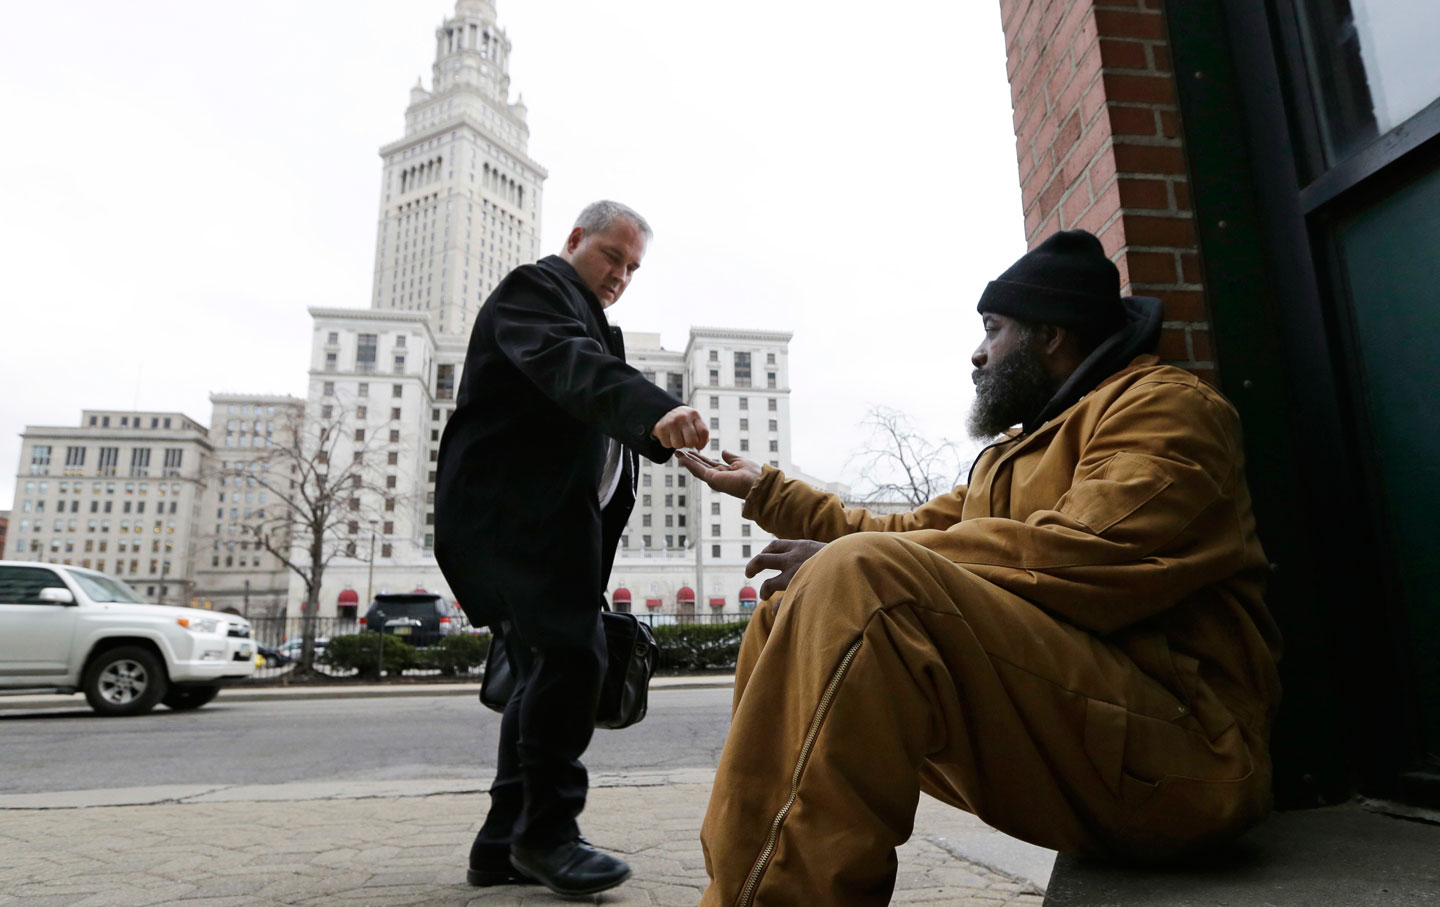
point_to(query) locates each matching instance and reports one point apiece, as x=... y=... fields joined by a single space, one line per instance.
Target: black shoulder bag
x=625 y=689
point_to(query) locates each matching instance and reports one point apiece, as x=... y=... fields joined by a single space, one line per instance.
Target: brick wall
x=1097 y=131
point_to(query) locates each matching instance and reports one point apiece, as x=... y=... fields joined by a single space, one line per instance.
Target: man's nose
x=978 y=357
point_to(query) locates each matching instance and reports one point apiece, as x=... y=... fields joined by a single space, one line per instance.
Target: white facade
x=119 y=493
x=459 y=195
x=684 y=538
x=231 y=569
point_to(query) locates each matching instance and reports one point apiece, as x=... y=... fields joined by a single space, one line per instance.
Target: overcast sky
x=184 y=179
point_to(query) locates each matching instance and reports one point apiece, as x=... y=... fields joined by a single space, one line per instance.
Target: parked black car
x=420 y=618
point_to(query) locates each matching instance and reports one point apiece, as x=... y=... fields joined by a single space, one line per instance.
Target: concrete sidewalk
x=407 y=843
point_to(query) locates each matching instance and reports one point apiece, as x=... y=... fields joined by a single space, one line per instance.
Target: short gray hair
x=599 y=216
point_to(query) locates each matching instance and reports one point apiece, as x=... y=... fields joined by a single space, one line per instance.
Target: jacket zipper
x=769 y=848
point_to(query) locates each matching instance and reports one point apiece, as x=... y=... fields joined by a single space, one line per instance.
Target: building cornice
x=389 y=316
x=740 y=334
x=461 y=119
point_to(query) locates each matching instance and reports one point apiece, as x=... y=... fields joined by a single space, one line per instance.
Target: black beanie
x=1065 y=281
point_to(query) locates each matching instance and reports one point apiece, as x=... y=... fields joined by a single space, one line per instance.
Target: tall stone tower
x=460 y=197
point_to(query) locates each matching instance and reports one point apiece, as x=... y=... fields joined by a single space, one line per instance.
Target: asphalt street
x=361 y=740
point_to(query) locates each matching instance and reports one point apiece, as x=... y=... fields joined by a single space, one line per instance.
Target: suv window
x=22 y=585
x=423 y=609
x=102 y=588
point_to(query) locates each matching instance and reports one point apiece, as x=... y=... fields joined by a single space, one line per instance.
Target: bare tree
x=321 y=484
x=900 y=464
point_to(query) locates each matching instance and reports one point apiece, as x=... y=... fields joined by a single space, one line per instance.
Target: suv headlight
x=199 y=624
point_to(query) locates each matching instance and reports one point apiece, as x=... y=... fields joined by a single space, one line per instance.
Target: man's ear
x=572 y=242
x=1053 y=339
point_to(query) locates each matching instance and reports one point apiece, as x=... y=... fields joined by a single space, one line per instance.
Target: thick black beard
x=1010 y=392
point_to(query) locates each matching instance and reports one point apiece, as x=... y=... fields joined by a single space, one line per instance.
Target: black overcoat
x=518 y=529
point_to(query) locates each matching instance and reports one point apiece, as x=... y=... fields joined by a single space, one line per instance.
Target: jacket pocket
x=1116 y=490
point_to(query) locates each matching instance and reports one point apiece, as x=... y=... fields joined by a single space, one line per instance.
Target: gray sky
x=183 y=179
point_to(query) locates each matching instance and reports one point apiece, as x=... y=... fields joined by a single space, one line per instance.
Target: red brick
x=1190 y=267
x=1068 y=29
x=1086 y=151
x=1118 y=54
x=1178 y=232
x=1155 y=159
x=1050 y=196
x=1113 y=239
x=1182 y=194
x=1143 y=194
x=1185 y=305
x=1055 y=85
x=1102 y=171
x=1132 y=120
x=1151 y=267
x=1032 y=219
x=1067 y=135
x=1074 y=206
x=1122 y=87
x=1161 y=55
x=1088 y=62
x=1047 y=227
x=1200 y=345
x=1172 y=346
x=1118 y=23
x=1105 y=206
x=1045 y=135
x=1093 y=100
x=1170 y=123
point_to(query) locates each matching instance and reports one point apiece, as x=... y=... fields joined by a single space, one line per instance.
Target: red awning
x=748 y=595
x=418 y=589
x=654 y=602
x=621 y=595
x=717 y=602
x=686 y=594
x=349 y=597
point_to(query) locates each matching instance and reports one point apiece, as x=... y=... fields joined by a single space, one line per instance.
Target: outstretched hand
x=736 y=476
x=785 y=555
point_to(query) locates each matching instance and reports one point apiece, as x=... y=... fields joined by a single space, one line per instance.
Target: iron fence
x=280 y=638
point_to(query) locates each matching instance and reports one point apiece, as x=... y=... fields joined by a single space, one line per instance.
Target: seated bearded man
x=1073 y=646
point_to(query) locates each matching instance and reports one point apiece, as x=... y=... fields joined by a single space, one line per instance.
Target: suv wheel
x=181 y=698
x=126 y=680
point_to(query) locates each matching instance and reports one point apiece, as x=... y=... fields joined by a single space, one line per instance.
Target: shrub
x=459 y=653
x=363 y=652
x=699 y=647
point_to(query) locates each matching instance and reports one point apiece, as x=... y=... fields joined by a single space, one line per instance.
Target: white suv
x=68 y=628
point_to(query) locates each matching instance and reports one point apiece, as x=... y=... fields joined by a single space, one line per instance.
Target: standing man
x=537 y=476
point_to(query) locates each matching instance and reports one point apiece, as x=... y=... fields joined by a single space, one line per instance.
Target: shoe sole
x=592 y=889
x=485 y=878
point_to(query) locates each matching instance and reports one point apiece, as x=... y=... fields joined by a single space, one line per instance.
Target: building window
x=744 y=424
x=444 y=382
x=333 y=338
x=772 y=407
x=769 y=358
x=330 y=362
x=714 y=529
x=386 y=549
x=770 y=379
x=74 y=461
x=745 y=530
x=742 y=369
x=774 y=425
x=40 y=460
x=774 y=446
x=744 y=550
x=715 y=551
x=359 y=434
x=365 y=353
x=361 y=412
x=329 y=388
x=396 y=391
x=389 y=481
x=715 y=402
x=714 y=377
x=675 y=384
x=109 y=459
x=399 y=365
x=645 y=520
x=394 y=412
x=744 y=444
x=394 y=435
x=714 y=508
x=745 y=403
x=327 y=411
x=140 y=461
x=363 y=389
x=173 y=458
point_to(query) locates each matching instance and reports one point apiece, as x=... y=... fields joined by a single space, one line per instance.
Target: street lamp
x=370 y=577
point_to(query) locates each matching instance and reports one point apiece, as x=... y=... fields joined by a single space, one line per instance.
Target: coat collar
x=563 y=268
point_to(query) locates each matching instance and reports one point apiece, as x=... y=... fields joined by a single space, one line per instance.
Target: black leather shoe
x=572 y=868
x=490 y=865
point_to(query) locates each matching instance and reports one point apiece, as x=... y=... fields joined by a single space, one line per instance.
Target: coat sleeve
x=536 y=329
x=1150 y=517
x=790 y=509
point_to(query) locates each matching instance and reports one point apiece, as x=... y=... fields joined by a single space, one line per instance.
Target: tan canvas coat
x=1079 y=636
x=1128 y=516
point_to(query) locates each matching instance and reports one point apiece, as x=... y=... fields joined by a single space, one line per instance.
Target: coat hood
x=1139 y=335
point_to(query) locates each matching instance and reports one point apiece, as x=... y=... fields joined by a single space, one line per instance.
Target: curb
x=43 y=701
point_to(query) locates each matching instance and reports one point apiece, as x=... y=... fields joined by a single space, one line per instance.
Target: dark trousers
x=540 y=785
